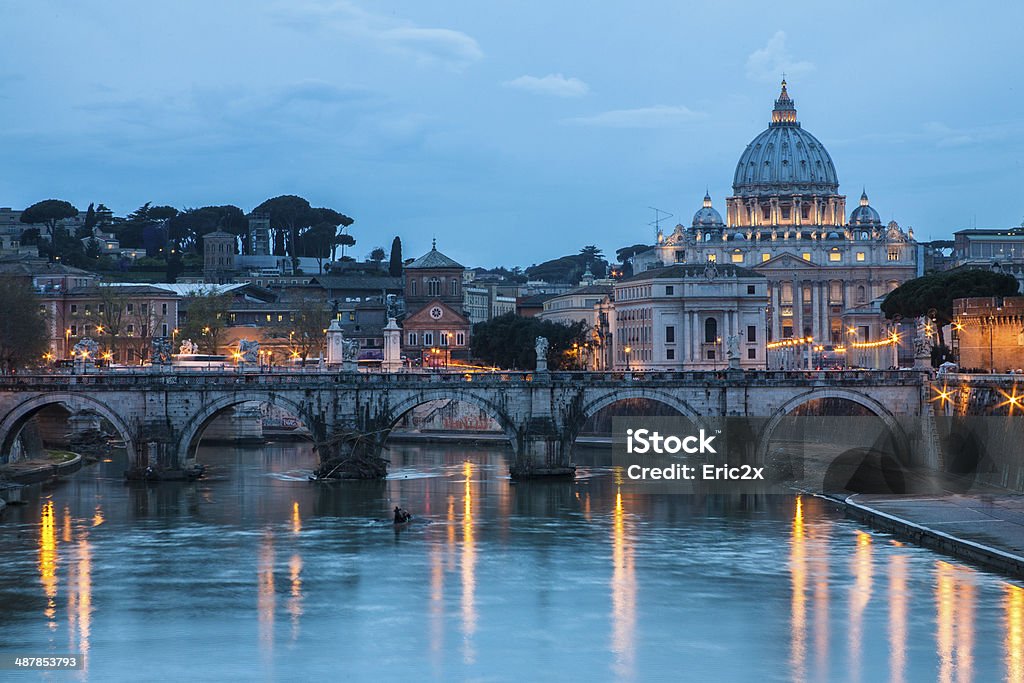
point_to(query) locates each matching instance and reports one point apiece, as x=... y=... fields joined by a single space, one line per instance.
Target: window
x=751 y=289
x=835 y=292
x=765 y=257
x=444 y=339
x=737 y=258
x=806 y=256
x=680 y=255
x=74 y=308
x=861 y=298
x=428 y=338
x=74 y=330
x=835 y=256
x=453 y=287
x=101 y=308
x=710 y=330
x=787 y=331
x=894 y=254
x=711 y=354
x=670 y=334
x=268 y=317
x=712 y=258
x=131 y=308
x=787 y=292
x=460 y=339
x=131 y=330
x=163 y=330
x=163 y=309
x=145 y=309
x=412 y=286
x=412 y=339
x=806 y=294
x=670 y=354
x=434 y=287
x=670 y=290
x=752 y=354
x=860 y=256
x=751 y=333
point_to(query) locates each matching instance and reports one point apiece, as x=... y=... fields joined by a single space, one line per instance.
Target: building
x=435 y=330
x=259 y=234
x=989 y=333
x=690 y=316
x=786 y=221
x=576 y=305
x=1001 y=250
x=218 y=256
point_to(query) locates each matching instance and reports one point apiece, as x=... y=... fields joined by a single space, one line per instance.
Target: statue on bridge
x=924 y=341
x=188 y=348
x=86 y=349
x=732 y=350
x=541 y=347
x=249 y=351
x=160 y=351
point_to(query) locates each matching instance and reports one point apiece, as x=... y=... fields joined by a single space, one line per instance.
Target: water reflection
x=48 y=562
x=897 y=617
x=468 y=568
x=623 y=593
x=860 y=594
x=266 y=595
x=954 y=622
x=1013 y=608
x=798 y=603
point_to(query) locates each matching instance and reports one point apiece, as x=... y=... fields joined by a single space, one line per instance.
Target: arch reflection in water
x=623 y=587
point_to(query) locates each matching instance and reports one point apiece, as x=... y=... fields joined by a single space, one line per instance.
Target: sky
x=513 y=132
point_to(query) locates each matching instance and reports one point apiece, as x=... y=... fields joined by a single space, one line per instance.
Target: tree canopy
x=936 y=292
x=508 y=341
x=395 y=262
x=23 y=332
x=48 y=212
x=570 y=269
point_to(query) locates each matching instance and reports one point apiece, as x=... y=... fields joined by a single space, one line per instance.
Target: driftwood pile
x=350 y=455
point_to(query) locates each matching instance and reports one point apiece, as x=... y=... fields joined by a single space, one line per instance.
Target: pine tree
x=395 y=265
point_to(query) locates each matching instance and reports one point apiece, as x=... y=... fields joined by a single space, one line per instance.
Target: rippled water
x=257 y=573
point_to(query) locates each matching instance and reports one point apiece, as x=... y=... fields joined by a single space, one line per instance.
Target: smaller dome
x=707 y=217
x=864 y=215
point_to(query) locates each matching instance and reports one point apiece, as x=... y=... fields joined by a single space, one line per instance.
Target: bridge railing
x=375 y=379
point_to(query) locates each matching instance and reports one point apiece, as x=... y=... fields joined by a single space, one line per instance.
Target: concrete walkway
x=985 y=528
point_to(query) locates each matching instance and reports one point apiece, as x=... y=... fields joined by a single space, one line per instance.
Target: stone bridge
x=162 y=416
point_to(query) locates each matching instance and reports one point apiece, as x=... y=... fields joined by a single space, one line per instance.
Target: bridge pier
x=542 y=452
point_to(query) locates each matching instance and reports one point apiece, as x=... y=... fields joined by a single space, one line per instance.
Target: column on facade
x=695 y=338
x=776 y=311
x=797 y=210
x=798 y=308
x=815 y=300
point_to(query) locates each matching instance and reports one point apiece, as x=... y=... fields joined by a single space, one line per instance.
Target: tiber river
x=257 y=573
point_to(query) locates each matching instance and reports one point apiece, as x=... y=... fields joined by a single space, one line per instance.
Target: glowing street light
x=628 y=350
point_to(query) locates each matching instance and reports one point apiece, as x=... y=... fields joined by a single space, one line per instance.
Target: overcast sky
x=514 y=132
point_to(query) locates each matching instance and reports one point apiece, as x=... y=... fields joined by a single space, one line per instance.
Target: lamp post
x=767 y=332
x=991 y=332
x=718 y=349
x=628 y=350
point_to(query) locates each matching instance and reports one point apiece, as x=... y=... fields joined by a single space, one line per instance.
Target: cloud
x=552 y=84
x=767 y=64
x=443 y=46
x=658 y=116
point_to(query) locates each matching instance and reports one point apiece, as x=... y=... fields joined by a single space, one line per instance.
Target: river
x=257 y=573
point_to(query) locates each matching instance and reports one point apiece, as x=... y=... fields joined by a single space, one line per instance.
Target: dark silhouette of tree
x=23 y=332
x=936 y=292
x=48 y=212
x=509 y=341
x=377 y=254
x=395 y=264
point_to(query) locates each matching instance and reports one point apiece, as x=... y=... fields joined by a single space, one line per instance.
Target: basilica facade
x=826 y=271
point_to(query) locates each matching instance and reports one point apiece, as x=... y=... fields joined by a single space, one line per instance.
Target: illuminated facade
x=786 y=220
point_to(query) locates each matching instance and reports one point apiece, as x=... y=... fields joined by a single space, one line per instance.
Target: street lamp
x=628 y=350
x=991 y=332
x=718 y=347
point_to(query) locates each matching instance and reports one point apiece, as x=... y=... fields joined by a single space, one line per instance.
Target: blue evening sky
x=514 y=132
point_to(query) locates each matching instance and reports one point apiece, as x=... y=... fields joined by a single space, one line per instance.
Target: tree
x=306 y=332
x=288 y=214
x=48 y=212
x=933 y=294
x=318 y=242
x=377 y=255
x=187 y=228
x=344 y=240
x=23 y=337
x=90 y=220
x=508 y=341
x=205 y=319
x=395 y=264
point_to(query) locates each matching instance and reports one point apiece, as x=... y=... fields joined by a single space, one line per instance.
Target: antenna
x=659 y=216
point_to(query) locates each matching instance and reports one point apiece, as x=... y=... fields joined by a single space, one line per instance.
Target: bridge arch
x=874 y=406
x=616 y=395
x=494 y=410
x=188 y=437
x=12 y=423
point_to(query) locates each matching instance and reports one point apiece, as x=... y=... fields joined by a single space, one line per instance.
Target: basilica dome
x=707 y=217
x=785 y=159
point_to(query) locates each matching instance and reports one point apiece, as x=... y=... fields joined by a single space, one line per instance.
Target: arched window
x=434 y=287
x=710 y=330
x=453 y=289
x=861 y=294
x=412 y=286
